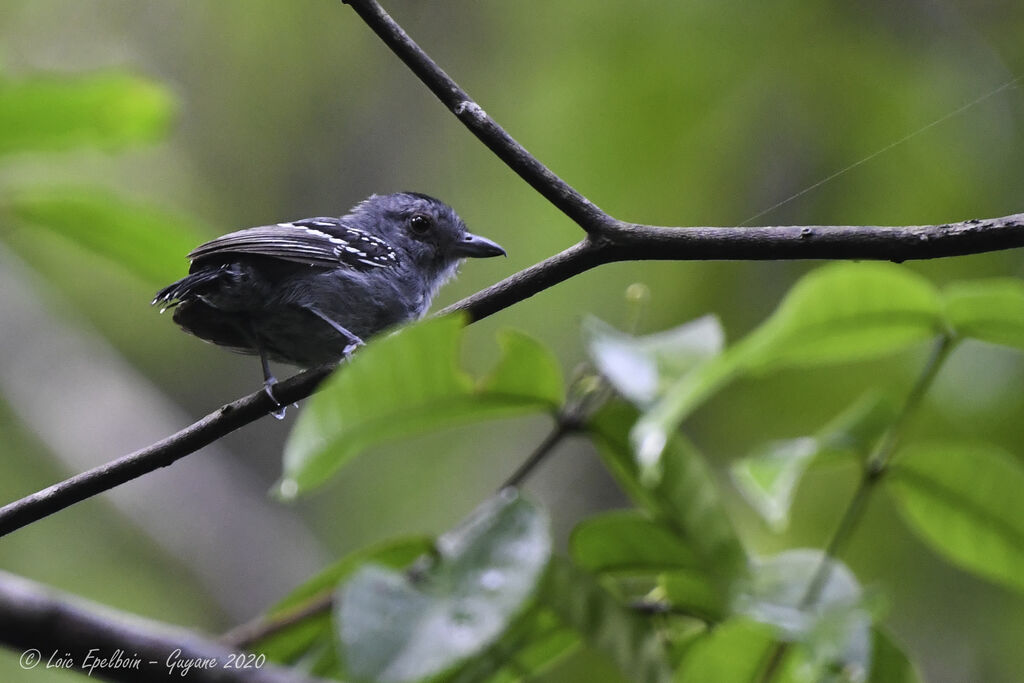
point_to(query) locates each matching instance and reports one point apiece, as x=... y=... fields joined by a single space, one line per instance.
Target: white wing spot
x=353 y=236
x=318 y=233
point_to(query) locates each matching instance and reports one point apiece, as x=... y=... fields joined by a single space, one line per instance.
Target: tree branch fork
x=607 y=240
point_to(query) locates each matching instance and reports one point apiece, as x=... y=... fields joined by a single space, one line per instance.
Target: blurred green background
x=672 y=113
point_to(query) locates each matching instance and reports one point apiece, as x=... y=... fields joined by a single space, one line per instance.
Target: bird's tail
x=189 y=287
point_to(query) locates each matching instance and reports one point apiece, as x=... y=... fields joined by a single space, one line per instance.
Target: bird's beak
x=474 y=246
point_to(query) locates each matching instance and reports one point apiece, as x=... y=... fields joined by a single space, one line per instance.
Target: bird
x=309 y=292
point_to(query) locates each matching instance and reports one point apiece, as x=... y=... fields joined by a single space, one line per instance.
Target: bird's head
x=424 y=231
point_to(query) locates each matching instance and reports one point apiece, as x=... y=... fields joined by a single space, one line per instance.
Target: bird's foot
x=268 y=385
x=351 y=348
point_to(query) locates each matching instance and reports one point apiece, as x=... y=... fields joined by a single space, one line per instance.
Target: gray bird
x=310 y=291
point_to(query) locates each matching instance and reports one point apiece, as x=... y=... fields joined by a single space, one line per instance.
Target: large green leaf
x=838 y=313
x=848 y=311
x=312 y=638
x=628 y=639
x=988 y=310
x=966 y=501
x=150 y=242
x=685 y=496
x=396 y=626
x=409 y=383
x=107 y=110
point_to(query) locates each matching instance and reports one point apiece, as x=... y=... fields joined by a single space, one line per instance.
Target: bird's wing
x=323 y=242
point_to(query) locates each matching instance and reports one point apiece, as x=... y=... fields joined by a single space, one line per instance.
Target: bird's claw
x=268 y=389
x=351 y=348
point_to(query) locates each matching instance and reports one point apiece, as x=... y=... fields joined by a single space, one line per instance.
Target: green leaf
x=149 y=242
x=396 y=626
x=965 y=500
x=526 y=369
x=732 y=652
x=640 y=368
x=848 y=311
x=834 y=628
x=108 y=110
x=629 y=640
x=888 y=663
x=650 y=433
x=312 y=637
x=989 y=310
x=628 y=542
x=408 y=383
x=395 y=553
x=768 y=478
x=838 y=313
x=685 y=497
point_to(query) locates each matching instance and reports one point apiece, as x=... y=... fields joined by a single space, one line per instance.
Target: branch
x=627 y=241
x=224 y=420
x=31 y=618
x=554 y=189
x=878 y=243
x=55 y=631
x=620 y=241
x=609 y=240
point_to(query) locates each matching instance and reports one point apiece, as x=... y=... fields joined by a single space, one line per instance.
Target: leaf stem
x=543 y=449
x=876 y=464
x=875 y=468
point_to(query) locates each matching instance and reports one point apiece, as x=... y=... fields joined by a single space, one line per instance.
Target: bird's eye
x=420 y=224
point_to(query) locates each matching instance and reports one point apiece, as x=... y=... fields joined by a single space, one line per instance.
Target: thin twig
x=875 y=468
x=247 y=634
x=554 y=437
x=244 y=636
x=250 y=633
x=587 y=392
